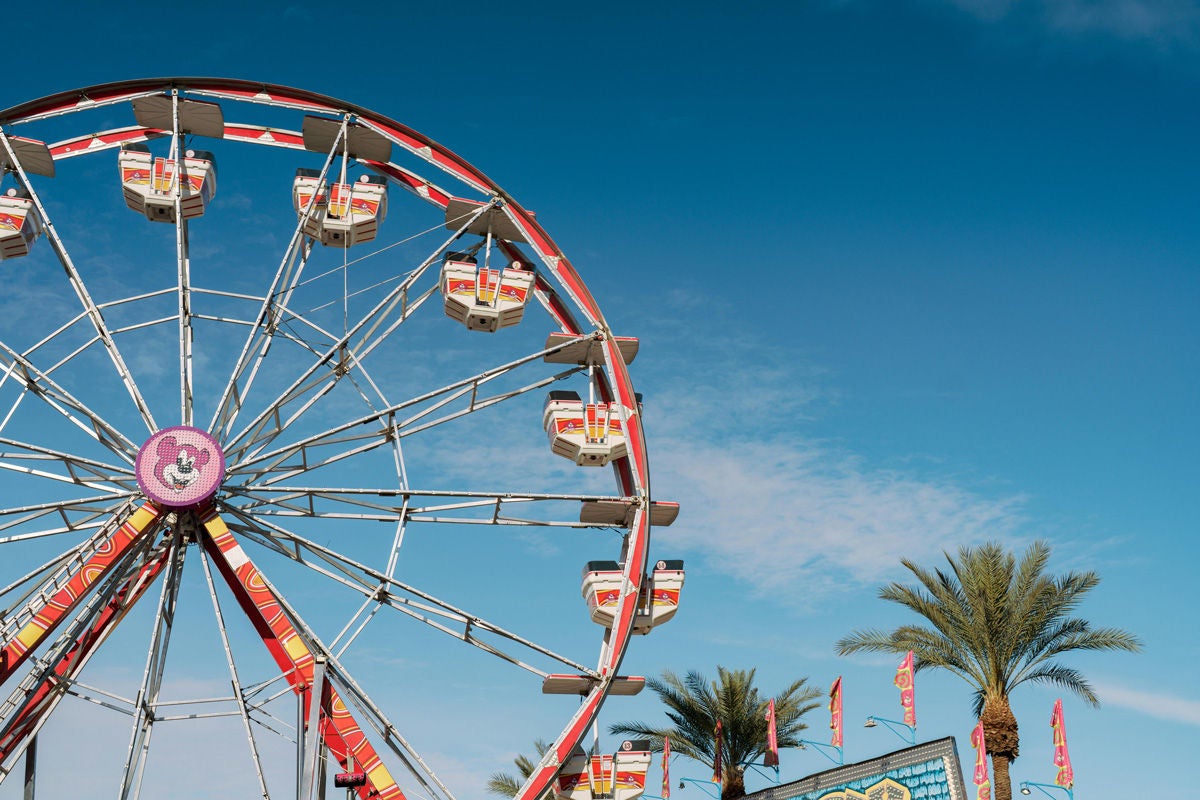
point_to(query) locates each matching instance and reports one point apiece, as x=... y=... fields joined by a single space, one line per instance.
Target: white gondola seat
x=307 y=188
x=633 y=762
x=484 y=299
x=602 y=590
x=149 y=183
x=20 y=225
x=657 y=603
x=345 y=215
x=589 y=434
x=572 y=782
x=621 y=776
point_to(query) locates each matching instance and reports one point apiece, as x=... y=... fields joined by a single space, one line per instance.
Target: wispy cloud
x=1171 y=708
x=1161 y=22
x=794 y=517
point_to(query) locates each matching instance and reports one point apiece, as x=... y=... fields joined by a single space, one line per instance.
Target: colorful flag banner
x=835 y=711
x=771 y=757
x=1062 y=759
x=666 y=787
x=908 y=694
x=983 y=786
x=719 y=755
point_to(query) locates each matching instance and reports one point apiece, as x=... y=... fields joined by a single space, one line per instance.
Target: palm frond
x=693 y=705
x=503 y=785
x=1065 y=678
x=994 y=619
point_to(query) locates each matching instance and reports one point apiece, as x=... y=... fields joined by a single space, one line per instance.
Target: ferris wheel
x=277 y=364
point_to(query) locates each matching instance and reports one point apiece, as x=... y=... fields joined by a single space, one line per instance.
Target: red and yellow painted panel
x=41 y=700
x=338 y=728
x=343 y=199
x=60 y=604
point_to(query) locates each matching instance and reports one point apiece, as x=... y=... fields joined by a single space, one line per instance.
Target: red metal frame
x=66 y=599
x=42 y=699
x=338 y=728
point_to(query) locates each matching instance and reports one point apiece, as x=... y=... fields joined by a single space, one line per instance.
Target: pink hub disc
x=180 y=466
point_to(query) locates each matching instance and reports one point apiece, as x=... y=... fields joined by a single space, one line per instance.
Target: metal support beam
x=31 y=769
x=312 y=734
x=239 y=694
x=146 y=705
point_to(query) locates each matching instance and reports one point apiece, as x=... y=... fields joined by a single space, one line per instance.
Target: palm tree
x=694 y=706
x=506 y=785
x=996 y=622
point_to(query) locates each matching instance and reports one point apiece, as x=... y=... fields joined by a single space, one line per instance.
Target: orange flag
x=908 y=694
x=835 y=711
x=771 y=757
x=1062 y=759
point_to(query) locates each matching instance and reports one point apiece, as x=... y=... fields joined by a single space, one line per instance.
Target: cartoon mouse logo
x=179 y=465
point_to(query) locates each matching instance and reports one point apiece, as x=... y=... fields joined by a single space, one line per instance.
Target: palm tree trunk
x=1001 y=781
x=735 y=785
x=1003 y=742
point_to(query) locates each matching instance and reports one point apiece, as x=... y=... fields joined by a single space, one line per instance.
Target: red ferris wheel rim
x=633 y=473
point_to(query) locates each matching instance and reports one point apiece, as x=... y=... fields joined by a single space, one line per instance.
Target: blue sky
x=906 y=276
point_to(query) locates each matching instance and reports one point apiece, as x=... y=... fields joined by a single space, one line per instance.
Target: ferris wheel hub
x=180 y=467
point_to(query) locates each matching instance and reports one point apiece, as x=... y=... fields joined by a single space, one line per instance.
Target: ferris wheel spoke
x=35 y=698
x=183 y=269
x=267 y=323
x=276 y=313
x=75 y=469
x=74 y=515
x=282 y=460
x=185 y=316
x=371 y=329
x=146 y=704
x=37 y=383
x=475 y=403
x=378 y=586
x=457 y=507
x=239 y=694
x=19 y=463
x=339 y=362
x=89 y=305
x=301 y=657
x=338 y=713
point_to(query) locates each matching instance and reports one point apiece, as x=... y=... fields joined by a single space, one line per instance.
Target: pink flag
x=908 y=695
x=718 y=754
x=771 y=757
x=666 y=787
x=1062 y=759
x=835 y=711
x=983 y=787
